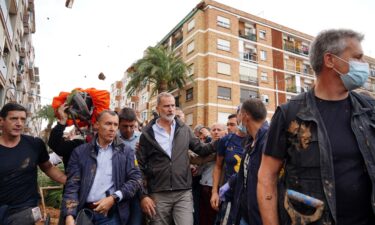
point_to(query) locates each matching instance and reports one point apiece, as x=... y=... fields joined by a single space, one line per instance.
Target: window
x=191 y=25
x=224 y=93
x=223 y=44
x=144 y=115
x=223 y=22
x=189 y=94
x=248 y=93
x=263 y=55
x=223 y=68
x=262 y=34
x=222 y=117
x=189 y=119
x=248 y=74
x=264 y=76
x=143 y=99
x=190 y=47
x=190 y=69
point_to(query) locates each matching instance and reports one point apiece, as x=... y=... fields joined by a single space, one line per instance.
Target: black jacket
x=162 y=173
x=311 y=171
x=60 y=145
x=236 y=181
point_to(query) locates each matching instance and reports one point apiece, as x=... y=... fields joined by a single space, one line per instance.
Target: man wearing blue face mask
x=325 y=140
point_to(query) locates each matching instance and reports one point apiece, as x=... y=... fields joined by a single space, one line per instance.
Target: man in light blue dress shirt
x=102 y=176
x=127 y=125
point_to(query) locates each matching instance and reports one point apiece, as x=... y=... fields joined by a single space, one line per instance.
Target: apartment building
x=233 y=55
x=19 y=77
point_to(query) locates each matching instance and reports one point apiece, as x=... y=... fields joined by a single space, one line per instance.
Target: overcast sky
x=73 y=46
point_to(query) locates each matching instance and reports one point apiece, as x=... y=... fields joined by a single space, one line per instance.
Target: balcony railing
x=249 y=79
x=249 y=57
x=369 y=87
x=248 y=36
x=296 y=89
x=291 y=48
x=3 y=68
x=177 y=43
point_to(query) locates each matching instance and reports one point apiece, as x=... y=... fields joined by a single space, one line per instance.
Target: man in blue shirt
x=102 y=176
x=127 y=126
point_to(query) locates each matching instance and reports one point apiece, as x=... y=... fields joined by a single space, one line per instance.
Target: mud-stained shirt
x=18 y=172
x=352 y=183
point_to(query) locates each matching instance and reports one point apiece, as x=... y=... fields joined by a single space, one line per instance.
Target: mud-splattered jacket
x=236 y=181
x=81 y=173
x=309 y=164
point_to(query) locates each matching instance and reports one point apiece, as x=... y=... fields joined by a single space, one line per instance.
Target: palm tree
x=159 y=67
x=46 y=113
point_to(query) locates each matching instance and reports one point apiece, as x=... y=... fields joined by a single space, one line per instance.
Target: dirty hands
x=62 y=115
x=148 y=206
x=104 y=205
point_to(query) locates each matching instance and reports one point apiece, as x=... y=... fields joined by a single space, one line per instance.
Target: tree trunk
x=163 y=87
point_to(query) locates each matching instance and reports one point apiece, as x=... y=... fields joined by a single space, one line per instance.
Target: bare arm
x=215 y=183
x=53 y=172
x=267 y=189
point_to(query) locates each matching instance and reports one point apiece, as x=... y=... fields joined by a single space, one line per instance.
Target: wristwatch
x=115 y=197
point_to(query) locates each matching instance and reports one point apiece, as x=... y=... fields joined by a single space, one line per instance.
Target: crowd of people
x=314 y=163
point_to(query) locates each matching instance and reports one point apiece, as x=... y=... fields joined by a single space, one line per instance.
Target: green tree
x=159 y=67
x=46 y=113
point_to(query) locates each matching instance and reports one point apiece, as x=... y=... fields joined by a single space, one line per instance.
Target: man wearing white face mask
x=324 y=139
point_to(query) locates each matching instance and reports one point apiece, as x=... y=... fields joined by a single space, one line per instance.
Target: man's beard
x=170 y=118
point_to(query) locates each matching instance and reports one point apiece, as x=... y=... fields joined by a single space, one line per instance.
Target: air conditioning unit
x=265 y=99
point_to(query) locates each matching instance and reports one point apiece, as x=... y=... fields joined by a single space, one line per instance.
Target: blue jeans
x=100 y=219
x=243 y=222
x=135 y=212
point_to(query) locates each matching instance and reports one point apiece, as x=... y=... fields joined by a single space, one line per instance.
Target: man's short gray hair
x=107 y=111
x=330 y=41
x=221 y=125
x=163 y=95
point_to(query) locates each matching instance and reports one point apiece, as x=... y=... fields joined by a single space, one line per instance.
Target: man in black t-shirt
x=19 y=157
x=324 y=139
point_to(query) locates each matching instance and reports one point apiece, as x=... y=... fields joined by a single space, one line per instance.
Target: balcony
x=3 y=68
x=177 y=43
x=31 y=97
x=13 y=7
x=20 y=77
x=296 y=89
x=23 y=48
x=248 y=36
x=249 y=79
x=26 y=23
x=135 y=98
x=119 y=85
x=290 y=48
x=369 y=87
x=249 y=57
x=372 y=72
x=305 y=50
